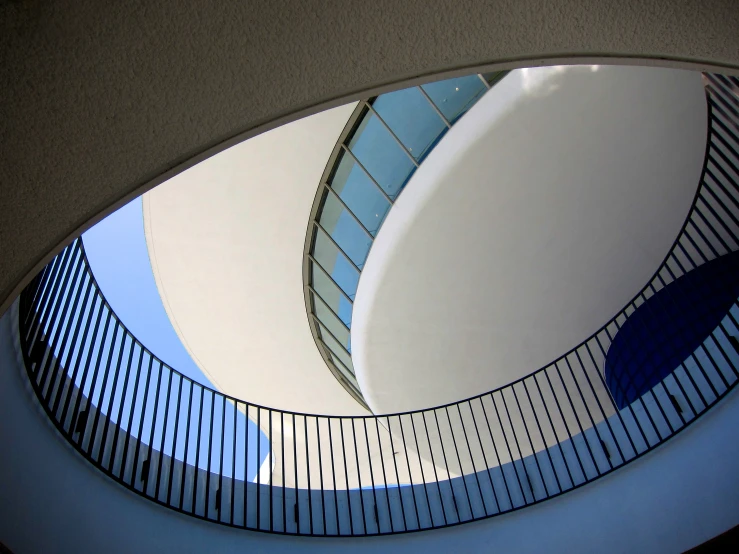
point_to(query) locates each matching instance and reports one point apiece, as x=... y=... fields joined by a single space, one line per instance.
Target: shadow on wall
x=666 y=329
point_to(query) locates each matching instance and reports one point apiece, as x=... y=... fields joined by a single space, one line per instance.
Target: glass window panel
x=335 y=263
x=413 y=120
x=454 y=97
x=381 y=155
x=331 y=294
x=360 y=194
x=336 y=349
x=345 y=230
x=345 y=374
x=331 y=322
x=349 y=377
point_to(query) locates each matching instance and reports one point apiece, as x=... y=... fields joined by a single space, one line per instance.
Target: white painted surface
x=682 y=494
x=532 y=223
x=226 y=243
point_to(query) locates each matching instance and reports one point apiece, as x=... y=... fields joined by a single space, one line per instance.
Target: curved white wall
x=533 y=222
x=226 y=243
x=53 y=500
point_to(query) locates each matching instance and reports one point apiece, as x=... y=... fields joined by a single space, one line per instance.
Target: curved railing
x=212 y=456
x=385 y=140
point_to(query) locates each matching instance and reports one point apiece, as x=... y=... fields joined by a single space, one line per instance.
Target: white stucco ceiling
x=226 y=243
x=532 y=223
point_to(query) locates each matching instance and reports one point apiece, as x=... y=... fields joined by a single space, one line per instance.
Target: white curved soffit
x=538 y=217
x=226 y=244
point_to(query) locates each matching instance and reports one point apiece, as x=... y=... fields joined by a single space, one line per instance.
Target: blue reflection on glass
x=360 y=194
x=345 y=230
x=332 y=323
x=331 y=295
x=336 y=348
x=335 y=264
x=381 y=155
x=412 y=118
x=454 y=97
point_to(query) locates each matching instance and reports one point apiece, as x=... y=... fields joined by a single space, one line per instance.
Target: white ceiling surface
x=538 y=217
x=226 y=244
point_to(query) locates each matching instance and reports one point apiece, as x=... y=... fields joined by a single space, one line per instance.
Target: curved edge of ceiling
x=161 y=289
x=225 y=240
x=150 y=249
x=131 y=122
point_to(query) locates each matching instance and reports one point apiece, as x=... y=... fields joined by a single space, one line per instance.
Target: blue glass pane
x=345 y=230
x=381 y=155
x=360 y=194
x=331 y=295
x=412 y=118
x=453 y=97
x=335 y=263
x=345 y=373
x=336 y=349
x=331 y=322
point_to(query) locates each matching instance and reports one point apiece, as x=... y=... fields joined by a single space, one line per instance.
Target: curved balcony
x=605 y=403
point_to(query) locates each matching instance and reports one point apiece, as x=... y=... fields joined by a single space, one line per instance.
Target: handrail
x=218 y=458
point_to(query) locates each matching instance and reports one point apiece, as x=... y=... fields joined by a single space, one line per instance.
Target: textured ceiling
x=102 y=100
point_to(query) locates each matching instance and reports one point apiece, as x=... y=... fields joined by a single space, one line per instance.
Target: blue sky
x=119 y=258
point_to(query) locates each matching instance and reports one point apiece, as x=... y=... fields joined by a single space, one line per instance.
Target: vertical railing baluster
x=359 y=478
x=119 y=420
x=139 y=441
x=433 y=464
x=183 y=480
x=397 y=475
x=333 y=476
x=173 y=453
x=410 y=473
x=284 y=485
x=129 y=428
x=446 y=465
x=219 y=494
x=259 y=467
x=545 y=446
x=484 y=459
x=198 y=433
x=320 y=474
x=508 y=448
x=384 y=476
x=472 y=461
x=420 y=467
x=346 y=476
x=461 y=468
x=80 y=350
x=531 y=445
x=270 y=465
x=495 y=448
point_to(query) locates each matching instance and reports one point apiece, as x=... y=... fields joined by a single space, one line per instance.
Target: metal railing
x=218 y=458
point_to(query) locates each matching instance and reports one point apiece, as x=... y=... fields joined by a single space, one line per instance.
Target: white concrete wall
x=54 y=501
x=226 y=243
x=536 y=218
